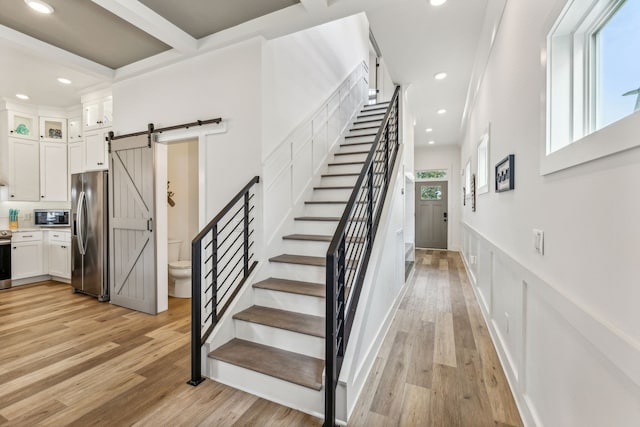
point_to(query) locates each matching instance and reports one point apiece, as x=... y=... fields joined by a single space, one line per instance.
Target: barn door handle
x=150 y=224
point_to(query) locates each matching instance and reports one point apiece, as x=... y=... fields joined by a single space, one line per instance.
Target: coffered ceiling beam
x=139 y=15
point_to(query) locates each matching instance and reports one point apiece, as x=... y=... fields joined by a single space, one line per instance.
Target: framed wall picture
x=505 y=174
x=473 y=192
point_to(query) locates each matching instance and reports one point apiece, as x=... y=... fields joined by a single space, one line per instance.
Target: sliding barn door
x=131 y=228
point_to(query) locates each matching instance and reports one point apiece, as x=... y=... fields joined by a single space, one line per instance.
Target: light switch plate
x=538 y=241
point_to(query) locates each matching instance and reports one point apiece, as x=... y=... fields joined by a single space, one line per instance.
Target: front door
x=431 y=214
x=131 y=229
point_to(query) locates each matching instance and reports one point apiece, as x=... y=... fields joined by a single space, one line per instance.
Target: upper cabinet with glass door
x=53 y=129
x=98 y=114
x=74 y=127
x=22 y=125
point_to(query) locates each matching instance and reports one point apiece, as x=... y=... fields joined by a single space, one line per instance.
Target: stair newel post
x=330 y=345
x=196 y=314
x=246 y=234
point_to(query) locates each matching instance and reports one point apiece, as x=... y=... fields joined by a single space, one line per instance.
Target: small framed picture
x=473 y=192
x=505 y=174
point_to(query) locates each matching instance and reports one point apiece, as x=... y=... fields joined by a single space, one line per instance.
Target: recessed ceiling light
x=64 y=81
x=437 y=2
x=431 y=142
x=21 y=96
x=442 y=111
x=440 y=76
x=39 y=6
x=427 y=130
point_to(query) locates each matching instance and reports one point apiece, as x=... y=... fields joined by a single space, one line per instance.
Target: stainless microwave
x=51 y=218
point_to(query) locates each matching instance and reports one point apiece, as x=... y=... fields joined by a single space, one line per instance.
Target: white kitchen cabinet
x=98 y=114
x=27 y=256
x=22 y=125
x=74 y=130
x=59 y=254
x=53 y=129
x=54 y=175
x=24 y=170
x=76 y=157
x=96 y=150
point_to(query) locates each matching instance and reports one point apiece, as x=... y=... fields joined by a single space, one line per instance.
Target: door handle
x=150 y=224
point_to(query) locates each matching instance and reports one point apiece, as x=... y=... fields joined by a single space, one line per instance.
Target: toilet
x=179 y=272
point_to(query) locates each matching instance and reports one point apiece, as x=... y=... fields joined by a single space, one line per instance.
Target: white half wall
x=571 y=343
x=445 y=157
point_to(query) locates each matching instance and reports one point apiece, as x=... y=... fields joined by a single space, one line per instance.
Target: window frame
x=484 y=140
x=571 y=71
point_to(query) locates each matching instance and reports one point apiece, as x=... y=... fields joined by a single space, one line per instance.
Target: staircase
x=278 y=348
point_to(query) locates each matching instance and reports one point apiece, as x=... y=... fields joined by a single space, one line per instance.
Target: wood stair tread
x=324 y=218
x=309 y=237
x=357 y=122
x=285 y=365
x=283 y=319
x=359 y=136
x=293 y=286
x=326 y=202
x=364 y=128
x=352 y=153
x=329 y=175
x=335 y=187
x=316 y=261
x=356 y=143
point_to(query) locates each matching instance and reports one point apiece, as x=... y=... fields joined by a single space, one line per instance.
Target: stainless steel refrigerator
x=90 y=232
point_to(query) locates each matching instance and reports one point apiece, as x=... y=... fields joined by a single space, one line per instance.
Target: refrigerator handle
x=80 y=225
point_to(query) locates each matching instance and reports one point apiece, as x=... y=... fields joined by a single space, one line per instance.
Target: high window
x=593 y=70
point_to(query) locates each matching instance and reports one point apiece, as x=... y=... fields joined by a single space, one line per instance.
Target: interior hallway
x=66 y=359
x=437 y=366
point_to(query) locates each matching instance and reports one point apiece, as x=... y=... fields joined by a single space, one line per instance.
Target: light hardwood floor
x=66 y=359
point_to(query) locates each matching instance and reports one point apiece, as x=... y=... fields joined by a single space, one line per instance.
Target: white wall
x=445 y=157
x=302 y=69
x=571 y=343
x=225 y=83
x=182 y=172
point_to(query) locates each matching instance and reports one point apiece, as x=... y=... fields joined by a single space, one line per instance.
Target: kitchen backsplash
x=25 y=216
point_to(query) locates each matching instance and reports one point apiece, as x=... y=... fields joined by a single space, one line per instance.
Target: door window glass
x=431 y=192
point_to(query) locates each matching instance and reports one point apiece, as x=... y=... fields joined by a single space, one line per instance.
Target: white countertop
x=32 y=229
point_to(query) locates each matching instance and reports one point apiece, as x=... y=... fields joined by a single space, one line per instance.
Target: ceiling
x=95 y=43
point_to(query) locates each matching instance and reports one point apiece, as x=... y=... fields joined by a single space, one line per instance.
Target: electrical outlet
x=474 y=260
x=538 y=241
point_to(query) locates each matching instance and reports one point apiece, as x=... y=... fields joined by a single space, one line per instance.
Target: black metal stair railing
x=222 y=259
x=353 y=241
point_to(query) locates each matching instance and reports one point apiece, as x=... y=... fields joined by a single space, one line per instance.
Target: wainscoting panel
x=566 y=367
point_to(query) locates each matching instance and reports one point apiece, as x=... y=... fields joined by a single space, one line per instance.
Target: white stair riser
x=351 y=157
x=280 y=338
x=352 y=148
x=342 y=181
x=325 y=210
x=305 y=273
x=360 y=139
x=332 y=194
x=283 y=392
x=304 y=247
x=363 y=124
x=363 y=130
x=315 y=227
x=345 y=168
x=314 y=306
